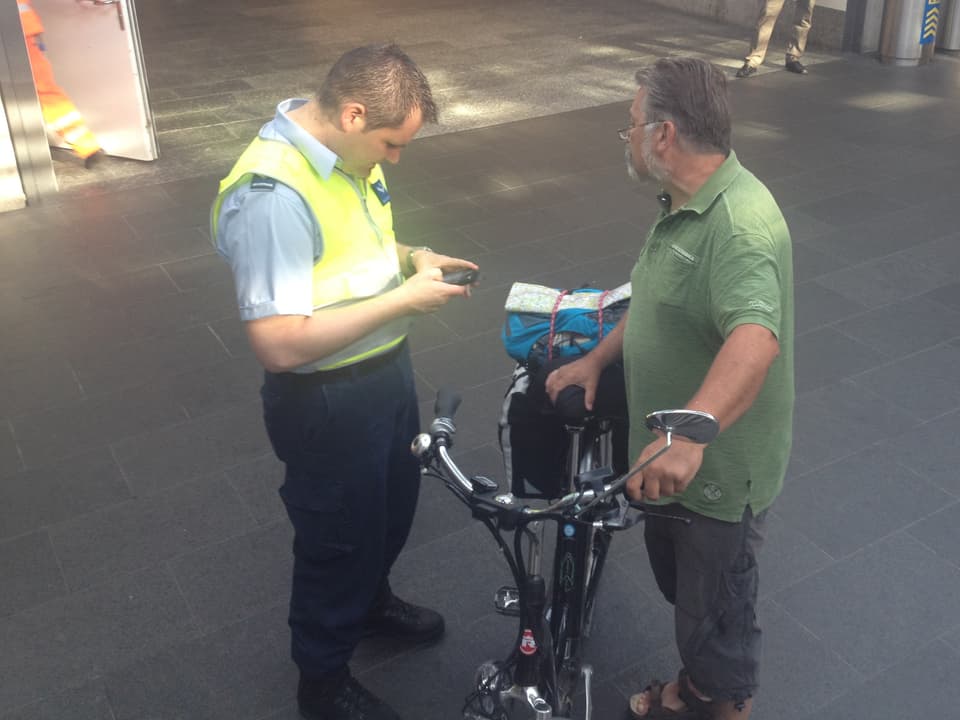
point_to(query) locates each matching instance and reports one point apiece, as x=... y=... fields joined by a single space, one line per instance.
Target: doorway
x=94 y=52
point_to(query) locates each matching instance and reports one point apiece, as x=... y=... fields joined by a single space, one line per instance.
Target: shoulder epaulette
x=262 y=182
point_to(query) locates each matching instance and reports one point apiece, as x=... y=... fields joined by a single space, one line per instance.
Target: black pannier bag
x=532 y=433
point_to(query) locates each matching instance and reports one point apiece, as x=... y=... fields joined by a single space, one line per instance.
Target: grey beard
x=654 y=168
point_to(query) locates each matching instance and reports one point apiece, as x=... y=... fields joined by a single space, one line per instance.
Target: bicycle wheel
x=568 y=642
x=598 y=453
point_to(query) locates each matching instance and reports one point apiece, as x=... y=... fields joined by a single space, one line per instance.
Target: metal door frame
x=22 y=108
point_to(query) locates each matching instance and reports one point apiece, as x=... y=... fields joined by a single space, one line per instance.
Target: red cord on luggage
x=553 y=320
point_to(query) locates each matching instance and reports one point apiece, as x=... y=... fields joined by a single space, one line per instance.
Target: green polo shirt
x=722 y=260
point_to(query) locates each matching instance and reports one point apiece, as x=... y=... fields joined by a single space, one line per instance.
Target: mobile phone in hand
x=461 y=277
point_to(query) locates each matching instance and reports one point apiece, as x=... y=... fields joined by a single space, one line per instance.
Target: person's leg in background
x=60 y=115
x=761 y=37
x=798 y=36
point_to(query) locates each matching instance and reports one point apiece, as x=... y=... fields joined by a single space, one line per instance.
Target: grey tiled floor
x=144 y=554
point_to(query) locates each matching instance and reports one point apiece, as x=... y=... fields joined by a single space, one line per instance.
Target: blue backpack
x=543 y=323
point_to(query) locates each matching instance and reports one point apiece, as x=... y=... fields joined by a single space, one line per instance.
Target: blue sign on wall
x=931 y=17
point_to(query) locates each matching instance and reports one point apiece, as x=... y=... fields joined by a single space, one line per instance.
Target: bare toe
x=640 y=704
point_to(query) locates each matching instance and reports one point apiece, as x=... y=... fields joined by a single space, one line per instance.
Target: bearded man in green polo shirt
x=710 y=328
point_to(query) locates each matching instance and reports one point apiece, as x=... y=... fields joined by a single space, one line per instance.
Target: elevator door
x=94 y=47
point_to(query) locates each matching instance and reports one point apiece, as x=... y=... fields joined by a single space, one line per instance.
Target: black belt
x=348 y=372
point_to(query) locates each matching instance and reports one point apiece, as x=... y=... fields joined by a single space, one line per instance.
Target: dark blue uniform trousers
x=350 y=492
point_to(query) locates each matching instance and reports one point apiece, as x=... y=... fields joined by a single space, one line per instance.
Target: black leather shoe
x=338 y=696
x=746 y=71
x=395 y=617
x=795 y=66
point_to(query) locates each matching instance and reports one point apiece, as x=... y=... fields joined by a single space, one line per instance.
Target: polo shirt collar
x=322 y=158
x=715 y=184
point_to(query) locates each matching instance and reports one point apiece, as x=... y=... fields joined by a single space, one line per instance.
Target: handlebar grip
x=447 y=403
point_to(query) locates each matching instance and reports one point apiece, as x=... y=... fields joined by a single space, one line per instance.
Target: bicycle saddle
x=610 y=401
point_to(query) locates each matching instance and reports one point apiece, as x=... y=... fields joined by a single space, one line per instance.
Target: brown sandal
x=695 y=707
x=656 y=710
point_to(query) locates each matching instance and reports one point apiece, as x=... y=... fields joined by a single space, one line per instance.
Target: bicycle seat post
x=575 y=436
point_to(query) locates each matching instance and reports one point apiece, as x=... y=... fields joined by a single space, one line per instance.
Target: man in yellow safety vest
x=326 y=294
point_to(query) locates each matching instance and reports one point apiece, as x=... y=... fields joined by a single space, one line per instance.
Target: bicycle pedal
x=507 y=601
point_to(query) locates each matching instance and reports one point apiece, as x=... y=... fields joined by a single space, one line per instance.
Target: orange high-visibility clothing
x=59 y=113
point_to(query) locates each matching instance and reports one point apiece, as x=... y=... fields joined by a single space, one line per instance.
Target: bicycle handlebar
x=447 y=403
x=451 y=467
x=440 y=439
x=698 y=426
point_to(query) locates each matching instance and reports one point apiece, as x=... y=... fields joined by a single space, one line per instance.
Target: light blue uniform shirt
x=270 y=237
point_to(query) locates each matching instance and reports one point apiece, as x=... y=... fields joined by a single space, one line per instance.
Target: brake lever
x=485 y=484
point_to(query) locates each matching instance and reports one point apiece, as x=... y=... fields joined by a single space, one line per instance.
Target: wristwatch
x=411 y=268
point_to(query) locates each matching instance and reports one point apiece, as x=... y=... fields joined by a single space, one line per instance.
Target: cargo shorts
x=707 y=570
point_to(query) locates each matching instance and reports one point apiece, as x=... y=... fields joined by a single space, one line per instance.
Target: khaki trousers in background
x=765 y=23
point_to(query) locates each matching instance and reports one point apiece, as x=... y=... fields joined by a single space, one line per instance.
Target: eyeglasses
x=624 y=133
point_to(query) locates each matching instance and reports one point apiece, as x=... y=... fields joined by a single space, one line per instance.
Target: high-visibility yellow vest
x=359 y=259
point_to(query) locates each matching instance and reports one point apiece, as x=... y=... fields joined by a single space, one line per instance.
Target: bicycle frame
x=541 y=671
